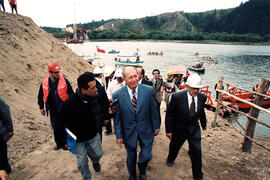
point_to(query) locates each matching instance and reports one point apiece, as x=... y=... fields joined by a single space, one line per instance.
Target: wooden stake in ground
x=254 y=112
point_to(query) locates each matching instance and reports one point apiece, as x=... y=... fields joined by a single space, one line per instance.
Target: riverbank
x=222 y=158
x=26 y=51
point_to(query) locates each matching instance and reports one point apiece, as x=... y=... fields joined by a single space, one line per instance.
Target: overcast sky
x=59 y=13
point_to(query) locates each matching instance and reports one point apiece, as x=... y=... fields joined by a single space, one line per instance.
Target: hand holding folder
x=71 y=141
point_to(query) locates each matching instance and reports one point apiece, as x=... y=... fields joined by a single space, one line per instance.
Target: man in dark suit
x=136 y=119
x=141 y=73
x=181 y=123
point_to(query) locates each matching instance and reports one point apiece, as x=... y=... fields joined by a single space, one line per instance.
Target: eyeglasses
x=54 y=72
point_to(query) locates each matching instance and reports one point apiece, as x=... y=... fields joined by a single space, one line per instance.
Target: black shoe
x=169 y=163
x=96 y=167
x=142 y=176
x=108 y=133
x=56 y=148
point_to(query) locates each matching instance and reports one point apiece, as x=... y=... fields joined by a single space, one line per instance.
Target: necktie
x=134 y=100
x=192 y=108
x=155 y=83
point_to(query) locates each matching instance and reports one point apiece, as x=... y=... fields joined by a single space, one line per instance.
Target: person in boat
x=199 y=65
x=255 y=89
x=138 y=59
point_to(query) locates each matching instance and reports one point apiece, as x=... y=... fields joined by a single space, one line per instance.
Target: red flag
x=100 y=50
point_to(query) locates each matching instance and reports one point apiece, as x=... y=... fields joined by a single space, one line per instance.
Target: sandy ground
x=26 y=50
x=222 y=159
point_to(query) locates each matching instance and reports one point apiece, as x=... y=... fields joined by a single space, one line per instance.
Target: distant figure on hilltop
x=3 y=5
x=13 y=5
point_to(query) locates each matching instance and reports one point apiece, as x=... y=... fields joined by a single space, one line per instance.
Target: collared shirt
x=190 y=100
x=100 y=81
x=130 y=92
x=114 y=86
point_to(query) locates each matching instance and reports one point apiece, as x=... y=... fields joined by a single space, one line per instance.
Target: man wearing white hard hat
x=103 y=95
x=181 y=122
x=115 y=84
x=109 y=75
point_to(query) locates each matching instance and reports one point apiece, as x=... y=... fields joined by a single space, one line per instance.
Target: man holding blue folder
x=79 y=115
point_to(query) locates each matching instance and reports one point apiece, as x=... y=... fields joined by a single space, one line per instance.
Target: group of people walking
x=136 y=116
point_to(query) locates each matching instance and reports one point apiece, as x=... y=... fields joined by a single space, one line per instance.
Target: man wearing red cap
x=53 y=91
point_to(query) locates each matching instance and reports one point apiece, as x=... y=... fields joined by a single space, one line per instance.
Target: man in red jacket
x=53 y=91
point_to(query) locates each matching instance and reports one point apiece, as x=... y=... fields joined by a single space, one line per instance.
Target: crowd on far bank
x=12 y=3
x=132 y=102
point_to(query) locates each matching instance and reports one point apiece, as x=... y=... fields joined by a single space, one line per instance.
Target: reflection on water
x=241 y=65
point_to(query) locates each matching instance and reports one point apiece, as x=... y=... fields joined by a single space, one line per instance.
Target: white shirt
x=190 y=100
x=114 y=86
x=130 y=92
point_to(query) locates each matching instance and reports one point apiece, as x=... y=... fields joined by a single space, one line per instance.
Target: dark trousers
x=100 y=132
x=194 y=141
x=4 y=165
x=109 y=127
x=145 y=156
x=53 y=124
x=158 y=106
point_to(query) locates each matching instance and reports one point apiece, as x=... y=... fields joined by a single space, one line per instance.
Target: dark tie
x=192 y=108
x=155 y=84
x=134 y=100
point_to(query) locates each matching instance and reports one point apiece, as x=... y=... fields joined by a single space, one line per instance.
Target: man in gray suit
x=158 y=83
x=136 y=119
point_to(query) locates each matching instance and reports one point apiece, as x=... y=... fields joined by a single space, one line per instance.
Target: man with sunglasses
x=53 y=91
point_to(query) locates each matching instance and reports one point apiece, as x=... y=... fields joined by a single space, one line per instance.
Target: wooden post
x=254 y=112
x=214 y=124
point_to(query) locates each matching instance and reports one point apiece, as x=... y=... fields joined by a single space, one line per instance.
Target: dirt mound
x=26 y=51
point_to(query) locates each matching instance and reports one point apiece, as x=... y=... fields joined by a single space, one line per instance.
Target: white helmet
x=194 y=81
x=108 y=70
x=119 y=73
x=97 y=70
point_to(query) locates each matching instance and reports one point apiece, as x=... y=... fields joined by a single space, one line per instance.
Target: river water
x=242 y=65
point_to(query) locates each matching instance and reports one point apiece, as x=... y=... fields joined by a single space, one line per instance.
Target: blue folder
x=71 y=140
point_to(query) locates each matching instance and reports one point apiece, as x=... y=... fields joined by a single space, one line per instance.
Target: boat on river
x=197 y=69
x=125 y=60
x=247 y=96
x=210 y=59
x=114 y=52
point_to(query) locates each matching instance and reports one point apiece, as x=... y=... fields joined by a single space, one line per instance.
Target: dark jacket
x=178 y=115
x=54 y=103
x=76 y=115
x=5 y=120
x=5 y=127
x=105 y=101
x=144 y=81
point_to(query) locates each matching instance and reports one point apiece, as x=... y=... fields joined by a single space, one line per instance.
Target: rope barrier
x=247 y=115
x=268 y=149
